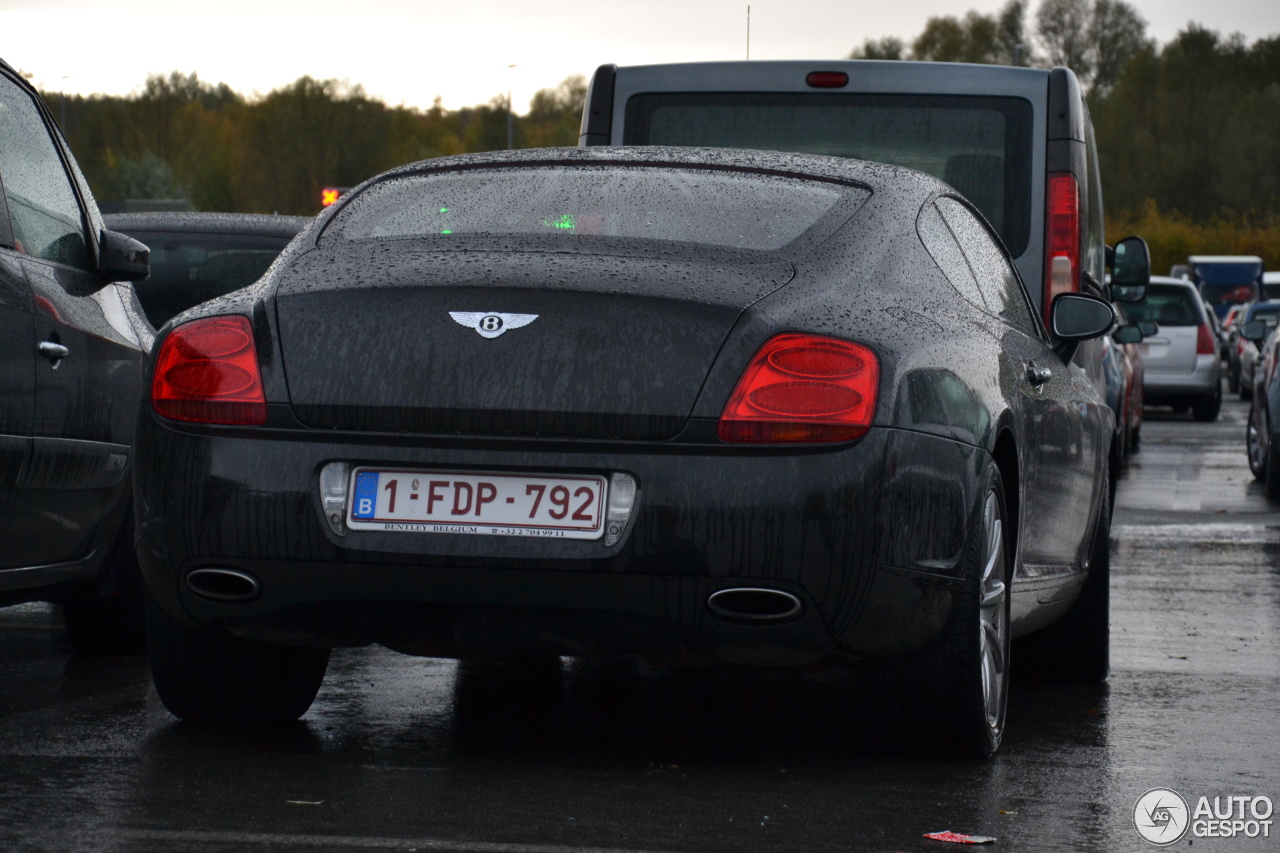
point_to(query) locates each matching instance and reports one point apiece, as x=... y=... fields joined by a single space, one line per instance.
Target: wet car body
x=196 y=257
x=73 y=353
x=636 y=347
x=1262 y=433
x=1247 y=352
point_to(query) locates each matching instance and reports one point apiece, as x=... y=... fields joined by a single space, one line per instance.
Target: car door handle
x=1038 y=375
x=52 y=351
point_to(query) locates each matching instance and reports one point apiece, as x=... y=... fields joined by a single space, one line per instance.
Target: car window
x=941 y=243
x=1258 y=312
x=1166 y=305
x=980 y=145
x=1001 y=289
x=189 y=268
x=43 y=208
x=572 y=204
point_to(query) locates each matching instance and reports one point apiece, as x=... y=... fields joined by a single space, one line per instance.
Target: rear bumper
x=1202 y=381
x=863 y=535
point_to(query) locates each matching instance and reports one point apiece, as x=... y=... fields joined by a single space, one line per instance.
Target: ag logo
x=491 y=324
x=1161 y=816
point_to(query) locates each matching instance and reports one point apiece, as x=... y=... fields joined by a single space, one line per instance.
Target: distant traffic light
x=328 y=195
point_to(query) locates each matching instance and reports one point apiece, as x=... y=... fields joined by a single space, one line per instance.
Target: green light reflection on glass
x=564 y=222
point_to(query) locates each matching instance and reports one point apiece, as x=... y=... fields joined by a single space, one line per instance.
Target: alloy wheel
x=1253 y=442
x=993 y=614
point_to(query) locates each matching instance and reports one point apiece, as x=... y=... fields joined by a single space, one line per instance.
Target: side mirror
x=122 y=258
x=1149 y=328
x=1256 y=331
x=1130 y=270
x=1075 y=317
x=1128 y=335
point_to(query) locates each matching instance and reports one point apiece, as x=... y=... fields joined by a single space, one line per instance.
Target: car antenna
x=748 y=33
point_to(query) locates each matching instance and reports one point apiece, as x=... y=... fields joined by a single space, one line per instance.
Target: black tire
x=1246 y=390
x=1115 y=461
x=105 y=616
x=1077 y=648
x=1208 y=409
x=1253 y=442
x=960 y=681
x=1135 y=439
x=1271 y=481
x=1233 y=380
x=206 y=675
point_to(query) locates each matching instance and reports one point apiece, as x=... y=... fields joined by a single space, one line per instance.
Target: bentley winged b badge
x=490 y=324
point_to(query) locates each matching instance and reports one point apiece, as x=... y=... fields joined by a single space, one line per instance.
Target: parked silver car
x=1182 y=365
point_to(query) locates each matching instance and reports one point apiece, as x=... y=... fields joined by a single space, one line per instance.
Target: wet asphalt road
x=402 y=753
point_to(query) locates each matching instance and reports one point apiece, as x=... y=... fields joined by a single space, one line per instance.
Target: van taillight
x=1061 y=238
x=207 y=372
x=1204 y=340
x=801 y=388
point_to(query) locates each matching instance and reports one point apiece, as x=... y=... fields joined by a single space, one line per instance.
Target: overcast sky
x=411 y=51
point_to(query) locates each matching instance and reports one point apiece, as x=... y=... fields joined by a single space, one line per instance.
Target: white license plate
x=567 y=507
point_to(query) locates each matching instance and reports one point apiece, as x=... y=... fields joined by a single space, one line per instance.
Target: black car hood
x=619 y=348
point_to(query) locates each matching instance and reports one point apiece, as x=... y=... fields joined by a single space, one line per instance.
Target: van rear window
x=979 y=145
x=1167 y=305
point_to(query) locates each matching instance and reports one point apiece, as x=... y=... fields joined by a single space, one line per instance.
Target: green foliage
x=1173 y=236
x=1094 y=40
x=888 y=47
x=973 y=38
x=181 y=137
x=988 y=39
x=1194 y=127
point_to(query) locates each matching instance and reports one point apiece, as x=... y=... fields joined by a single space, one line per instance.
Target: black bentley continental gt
x=703 y=405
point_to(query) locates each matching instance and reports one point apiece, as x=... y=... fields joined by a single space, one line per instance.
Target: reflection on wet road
x=401 y=753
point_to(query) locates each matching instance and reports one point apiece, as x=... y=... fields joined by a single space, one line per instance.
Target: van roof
x=1224 y=259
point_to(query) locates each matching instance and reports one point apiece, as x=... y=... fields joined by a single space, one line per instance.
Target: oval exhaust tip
x=754 y=604
x=223 y=584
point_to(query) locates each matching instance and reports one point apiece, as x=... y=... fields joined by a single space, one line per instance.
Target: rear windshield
x=1228 y=282
x=1228 y=294
x=190 y=268
x=1167 y=305
x=979 y=145
x=571 y=204
x=1259 y=312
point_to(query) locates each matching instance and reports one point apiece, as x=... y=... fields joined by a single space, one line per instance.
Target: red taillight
x=207 y=372
x=1204 y=340
x=827 y=79
x=1061 y=238
x=803 y=388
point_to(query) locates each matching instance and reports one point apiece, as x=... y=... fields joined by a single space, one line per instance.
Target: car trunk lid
x=618 y=349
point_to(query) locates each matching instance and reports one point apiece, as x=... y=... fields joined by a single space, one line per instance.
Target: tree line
x=183 y=138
